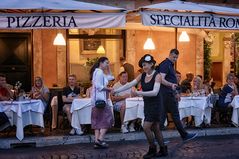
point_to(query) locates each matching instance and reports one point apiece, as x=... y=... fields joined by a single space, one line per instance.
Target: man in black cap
x=168 y=93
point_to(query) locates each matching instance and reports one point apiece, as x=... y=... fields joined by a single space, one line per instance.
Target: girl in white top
x=101 y=118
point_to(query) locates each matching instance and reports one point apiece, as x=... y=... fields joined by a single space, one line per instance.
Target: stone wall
x=49 y=61
x=164 y=42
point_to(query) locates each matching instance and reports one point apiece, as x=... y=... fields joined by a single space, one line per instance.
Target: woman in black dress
x=150 y=82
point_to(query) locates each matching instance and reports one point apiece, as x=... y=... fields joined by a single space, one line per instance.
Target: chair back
x=60 y=101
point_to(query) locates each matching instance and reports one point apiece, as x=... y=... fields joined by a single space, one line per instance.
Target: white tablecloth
x=235 y=112
x=134 y=109
x=23 y=113
x=81 y=112
x=199 y=107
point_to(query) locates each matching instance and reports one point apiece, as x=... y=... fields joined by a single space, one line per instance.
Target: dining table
x=199 y=107
x=235 y=110
x=134 y=109
x=22 y=113
x=81 y=111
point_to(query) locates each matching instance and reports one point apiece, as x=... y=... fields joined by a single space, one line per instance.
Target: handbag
x=99 y=103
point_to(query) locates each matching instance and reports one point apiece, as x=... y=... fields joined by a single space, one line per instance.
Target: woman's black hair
x=142 y=60
x=96 y=65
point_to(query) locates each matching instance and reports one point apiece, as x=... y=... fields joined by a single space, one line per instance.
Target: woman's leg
x=102 y=133
x=149 y=135
x=152 y=152
x=158 y=134
x=159 y=137
x=97 y=135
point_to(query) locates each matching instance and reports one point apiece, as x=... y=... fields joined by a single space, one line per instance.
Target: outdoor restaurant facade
x=35 y=55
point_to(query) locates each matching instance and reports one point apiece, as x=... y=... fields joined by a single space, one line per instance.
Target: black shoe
x=190 y=137
x=101 y=145
x=151 y=153
x=97 y=146
x=163 y=128
x=163 y=151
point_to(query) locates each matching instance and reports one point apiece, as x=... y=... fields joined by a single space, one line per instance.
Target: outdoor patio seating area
x=60 y=59
x=64 y=127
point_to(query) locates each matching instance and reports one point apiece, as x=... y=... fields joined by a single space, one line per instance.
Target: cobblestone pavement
x=212 y=147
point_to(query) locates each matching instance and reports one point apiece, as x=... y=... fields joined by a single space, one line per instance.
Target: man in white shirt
x=119 y=101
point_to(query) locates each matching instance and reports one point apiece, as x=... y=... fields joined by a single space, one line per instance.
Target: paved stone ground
x=212 y=147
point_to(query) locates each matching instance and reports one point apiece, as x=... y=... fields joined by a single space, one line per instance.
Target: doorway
x=217 y=72
x=16 y=58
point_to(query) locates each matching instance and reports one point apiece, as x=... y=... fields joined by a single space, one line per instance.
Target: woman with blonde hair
x=40 y=91
x=199 y=89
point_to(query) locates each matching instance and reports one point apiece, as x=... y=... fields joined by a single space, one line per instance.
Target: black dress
x=151 y=104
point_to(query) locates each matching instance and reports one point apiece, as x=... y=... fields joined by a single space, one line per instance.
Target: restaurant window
x=83 y=45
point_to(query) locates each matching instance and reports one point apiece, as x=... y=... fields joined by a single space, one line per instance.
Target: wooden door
x=16 y=58
x=216 y=73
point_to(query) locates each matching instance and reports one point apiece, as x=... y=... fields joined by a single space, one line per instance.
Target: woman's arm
x=128 y=85
x=155 y=90
x=99 y=81
x=119 y=98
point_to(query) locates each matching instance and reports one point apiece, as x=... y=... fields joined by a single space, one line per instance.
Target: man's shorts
x=117 y=106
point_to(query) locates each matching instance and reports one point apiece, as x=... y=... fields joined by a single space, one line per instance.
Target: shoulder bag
x=100 y=103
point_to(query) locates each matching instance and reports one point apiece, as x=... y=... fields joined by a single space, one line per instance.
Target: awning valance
x=61 y=20
x=31 y=14
x=190 y=15
x=189 y=20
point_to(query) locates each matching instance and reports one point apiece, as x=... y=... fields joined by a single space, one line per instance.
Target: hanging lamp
x=149 y=44
x=184 y=37
x=100 y=50
x=59 y=40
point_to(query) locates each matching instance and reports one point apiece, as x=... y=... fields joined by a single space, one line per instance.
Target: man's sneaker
x=190 y=137
x=78 y=132
x=72 y=132
x=124 y=129
x=131 y=128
